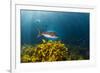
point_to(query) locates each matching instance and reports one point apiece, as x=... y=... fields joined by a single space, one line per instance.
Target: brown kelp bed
x=48 y=51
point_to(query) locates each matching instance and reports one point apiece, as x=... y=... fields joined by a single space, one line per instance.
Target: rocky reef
x=47 y=51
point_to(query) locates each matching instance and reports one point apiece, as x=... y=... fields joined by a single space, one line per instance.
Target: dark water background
x=71 y=27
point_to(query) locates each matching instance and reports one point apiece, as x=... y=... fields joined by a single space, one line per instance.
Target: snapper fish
x=49 y=34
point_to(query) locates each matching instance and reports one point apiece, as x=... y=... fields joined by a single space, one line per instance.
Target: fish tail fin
x=39 y=33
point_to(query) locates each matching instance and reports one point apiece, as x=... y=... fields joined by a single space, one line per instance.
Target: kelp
x=47 y=50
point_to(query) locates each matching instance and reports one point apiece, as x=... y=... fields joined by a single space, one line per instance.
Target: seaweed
x=49 y=51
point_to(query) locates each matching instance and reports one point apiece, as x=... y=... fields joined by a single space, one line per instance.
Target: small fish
x=49 y=34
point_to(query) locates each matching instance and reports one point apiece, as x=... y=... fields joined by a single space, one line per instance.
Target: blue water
x=71 y=27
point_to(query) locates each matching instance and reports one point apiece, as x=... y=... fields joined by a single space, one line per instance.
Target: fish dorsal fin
x=52 y=33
